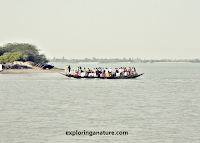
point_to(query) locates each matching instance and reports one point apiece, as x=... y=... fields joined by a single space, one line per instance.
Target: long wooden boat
x=112 y=77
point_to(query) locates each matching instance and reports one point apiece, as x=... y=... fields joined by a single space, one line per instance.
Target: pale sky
x=150 y=29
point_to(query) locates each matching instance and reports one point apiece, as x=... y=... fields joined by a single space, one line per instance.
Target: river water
x=163 y=105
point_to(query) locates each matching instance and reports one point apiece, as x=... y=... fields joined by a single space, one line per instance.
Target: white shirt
x=106 y=71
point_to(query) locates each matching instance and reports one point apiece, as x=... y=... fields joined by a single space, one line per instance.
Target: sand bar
x=19 y=71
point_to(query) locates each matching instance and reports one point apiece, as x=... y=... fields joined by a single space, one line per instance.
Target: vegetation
x=58 y=68
x=21 y=52
x=11 y=57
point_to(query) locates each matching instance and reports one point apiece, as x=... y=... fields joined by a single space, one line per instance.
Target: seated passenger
x=77 y=73
x=125 y=70
x=90 y=75
x=72 y=72
x=103 y=71
x=83 y=74
x=95 y=72
x=106 y=71
x=110 y=70
x=108 y=75
x=120 y=70
x=132 y=71
x=80 y=70
x=84 y=70
x=129 y=70
x=88 y=71
x=117 y=74
x=116 y=70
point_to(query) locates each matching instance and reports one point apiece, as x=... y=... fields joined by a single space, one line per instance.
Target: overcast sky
x=150 y=29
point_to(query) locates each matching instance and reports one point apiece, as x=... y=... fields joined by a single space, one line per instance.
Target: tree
x=23 y=52
x=25 y=57
x=10 y=57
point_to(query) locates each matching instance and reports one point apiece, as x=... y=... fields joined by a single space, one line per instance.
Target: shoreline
x=125 y=63
x=27 y=71
x=170 y=62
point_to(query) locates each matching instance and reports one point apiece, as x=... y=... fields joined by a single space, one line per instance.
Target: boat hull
x=119 y=77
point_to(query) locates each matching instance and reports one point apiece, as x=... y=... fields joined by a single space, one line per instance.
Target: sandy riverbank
x=19 y=71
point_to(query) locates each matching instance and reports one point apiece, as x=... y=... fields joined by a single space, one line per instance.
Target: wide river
x=163 y=105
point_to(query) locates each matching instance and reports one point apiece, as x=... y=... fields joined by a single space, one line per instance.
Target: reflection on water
x=160 y=106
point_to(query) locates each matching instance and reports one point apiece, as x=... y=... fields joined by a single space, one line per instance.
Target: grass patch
x=57 y=68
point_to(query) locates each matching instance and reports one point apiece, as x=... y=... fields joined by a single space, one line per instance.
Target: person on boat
x=69 y=68
x=116 y=70
x=84 y=70
x=119 y=70
x=96 y=75
x=94 y=72
x=76 y=72
x=110 y=70
x=98 y=72
x=90 y=70
x=122 y=71
x=129 y=70
x=77 y=69
x=106 y=71
x=80 y=70
x=66 y=69
x=133 y=71
x=72 y=72
x=125 y=70
x=108 y=74
x=103 y=71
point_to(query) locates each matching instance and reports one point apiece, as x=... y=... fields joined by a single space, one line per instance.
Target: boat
x=101 y=75
x=47 y=66
x=70 y=75
x=112 y=77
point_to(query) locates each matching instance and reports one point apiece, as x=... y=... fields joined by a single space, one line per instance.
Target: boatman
x=69 y=68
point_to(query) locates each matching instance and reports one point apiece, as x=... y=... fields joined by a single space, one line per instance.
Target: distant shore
x=22 y=71
x=121 y=63
x=170 y=62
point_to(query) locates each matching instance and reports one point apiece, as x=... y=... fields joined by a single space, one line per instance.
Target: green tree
x=11 y=57
x=23 y=52
x=25 y=57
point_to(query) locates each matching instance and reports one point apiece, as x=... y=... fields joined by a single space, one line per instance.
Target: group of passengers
x=103 y=72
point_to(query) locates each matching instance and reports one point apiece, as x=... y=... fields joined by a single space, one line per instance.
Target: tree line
x=116 y=60
x=11 y=52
